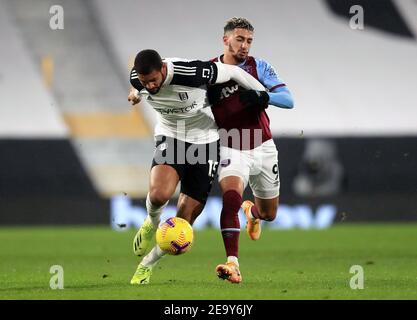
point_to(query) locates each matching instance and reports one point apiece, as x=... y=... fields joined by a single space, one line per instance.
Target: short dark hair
x=235 y=22
x=147 y=61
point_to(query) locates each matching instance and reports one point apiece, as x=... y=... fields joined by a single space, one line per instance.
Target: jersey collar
x=220 y=59
x=170 y=73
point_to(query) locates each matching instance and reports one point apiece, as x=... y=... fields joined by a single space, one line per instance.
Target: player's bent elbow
x=290 y=101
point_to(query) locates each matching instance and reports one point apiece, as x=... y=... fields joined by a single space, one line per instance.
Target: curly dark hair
x=147 y=61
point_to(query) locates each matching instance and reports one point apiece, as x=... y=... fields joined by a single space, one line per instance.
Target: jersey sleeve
x=193 y=73
x=134 y=80
x=268 y=76
x=279 y=95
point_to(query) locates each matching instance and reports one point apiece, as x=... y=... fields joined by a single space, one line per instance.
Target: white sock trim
x=231 y=229
x=153 y=257
x=154 y=212
x=233 y=259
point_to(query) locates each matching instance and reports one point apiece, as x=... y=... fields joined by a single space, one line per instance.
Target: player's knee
x=269 y=213
x=158 y=197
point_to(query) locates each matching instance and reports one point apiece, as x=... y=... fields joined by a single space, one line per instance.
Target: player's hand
x=252 y=97
x=214 y=94
x=133 y=97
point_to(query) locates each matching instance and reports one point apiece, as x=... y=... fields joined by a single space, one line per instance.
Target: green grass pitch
x=98 y=264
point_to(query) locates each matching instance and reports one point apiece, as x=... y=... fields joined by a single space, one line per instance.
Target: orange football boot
x=229 y=271
x=253 y=226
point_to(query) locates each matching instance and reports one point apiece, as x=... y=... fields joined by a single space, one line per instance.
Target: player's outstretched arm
x=227 y=72
x=197 y=73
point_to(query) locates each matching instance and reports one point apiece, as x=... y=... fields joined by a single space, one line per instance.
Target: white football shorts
x=258 y=166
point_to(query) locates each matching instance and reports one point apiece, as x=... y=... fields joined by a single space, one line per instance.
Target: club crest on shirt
x=225 y=162
x=183 y=96
x=248 y=69
x=271 y=72
x=163 y=146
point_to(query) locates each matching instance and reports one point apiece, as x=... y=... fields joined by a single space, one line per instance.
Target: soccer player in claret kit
x=253 y=158
x=176 y=89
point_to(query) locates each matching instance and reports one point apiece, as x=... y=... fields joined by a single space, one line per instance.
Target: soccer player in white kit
x=187 y=140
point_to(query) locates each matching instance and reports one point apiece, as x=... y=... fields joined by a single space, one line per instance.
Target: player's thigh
x=234 y=169
x=166 y=171
x=198 y=177
x=162 y=183
x=264 y=179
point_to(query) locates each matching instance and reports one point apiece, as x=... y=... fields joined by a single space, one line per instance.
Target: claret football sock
x=229 y=222
x=254 y=213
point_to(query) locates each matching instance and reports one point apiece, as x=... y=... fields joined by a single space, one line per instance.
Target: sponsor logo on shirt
x=228 y=91
x=169 y=111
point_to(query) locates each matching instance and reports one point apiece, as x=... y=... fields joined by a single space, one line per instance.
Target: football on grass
x=174 y=236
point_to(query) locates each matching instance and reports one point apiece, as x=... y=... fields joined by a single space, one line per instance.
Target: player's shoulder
x=261 y=63
x=265 y=67
x=181 y=61
x=176 y=59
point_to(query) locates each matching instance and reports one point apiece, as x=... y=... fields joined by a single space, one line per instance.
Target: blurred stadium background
x=72 y=150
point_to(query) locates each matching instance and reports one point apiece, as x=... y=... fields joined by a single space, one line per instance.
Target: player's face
x=153 y=81
x=238 y=43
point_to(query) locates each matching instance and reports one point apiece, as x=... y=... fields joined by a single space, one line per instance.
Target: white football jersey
x=181 y=104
